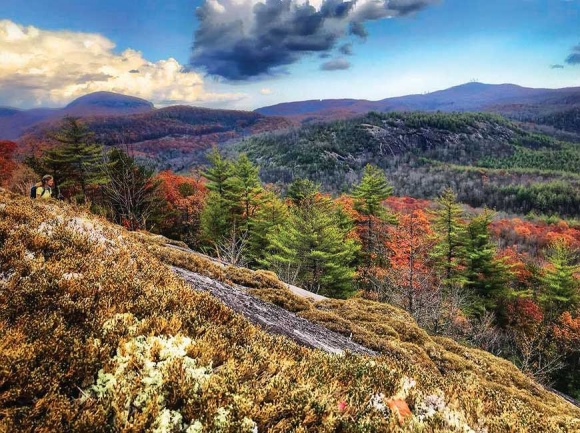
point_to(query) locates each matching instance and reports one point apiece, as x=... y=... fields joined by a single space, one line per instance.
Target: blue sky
x=56 y=50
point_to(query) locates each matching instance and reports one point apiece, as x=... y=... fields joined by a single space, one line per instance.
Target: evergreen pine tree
x=214 y=220
x=313 y=250
x=284 y=250
x=486 y=275
x=77 y=158
x=270 y=215
x=368 y=197
x=242 y=190
x=449 y=251
x=236 y=190
x=302 y=192
x=218 y=173
x=561 y=289
x=372 y=190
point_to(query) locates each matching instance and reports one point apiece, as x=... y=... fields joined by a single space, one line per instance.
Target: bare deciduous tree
x=232 y=248
x=130 y=190
x=534 y=354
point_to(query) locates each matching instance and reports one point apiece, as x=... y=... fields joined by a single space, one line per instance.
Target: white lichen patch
x=72 y=276
x=168 y=421
x=434 y=406
x=89 y=229
x=195 y=427
x=6 y=276
x=105 y=384
x=47 y=226
x=249 y=425
x=140 y=369
x=220 y=420
x=378 y=402
x=406 y=385
x=431 y=405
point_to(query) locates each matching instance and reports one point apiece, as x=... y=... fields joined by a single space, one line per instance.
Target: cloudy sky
x=250 y=53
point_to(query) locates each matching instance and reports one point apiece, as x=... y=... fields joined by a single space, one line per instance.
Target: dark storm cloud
x=335 y=65
x=407 y=7
x=357 y=28
x=238 y=41
x=346 y=49
x=574 y=58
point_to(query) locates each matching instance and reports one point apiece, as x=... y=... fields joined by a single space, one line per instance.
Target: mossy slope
x=96 y=334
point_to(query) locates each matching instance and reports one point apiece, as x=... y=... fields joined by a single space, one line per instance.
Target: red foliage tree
x=185 y=198
x=516 y=262
x=524 y=315
x=567 y=332
x=532 y=237
x=372 y=272
x=7 y=163
x=407 y=204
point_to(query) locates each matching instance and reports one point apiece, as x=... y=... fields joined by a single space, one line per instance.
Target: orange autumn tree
x=412 y=282
x=567 y=336
x=567 y=332
x=185 y=197
x=533 y=237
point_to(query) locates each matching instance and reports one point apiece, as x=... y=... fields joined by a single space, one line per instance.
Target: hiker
x=43 y=189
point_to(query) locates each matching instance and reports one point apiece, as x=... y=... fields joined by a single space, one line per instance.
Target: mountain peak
x=111 y=100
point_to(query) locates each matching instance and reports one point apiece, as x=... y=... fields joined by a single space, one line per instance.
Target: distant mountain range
x=175 y=137
x=13 y=122
x=556 y=107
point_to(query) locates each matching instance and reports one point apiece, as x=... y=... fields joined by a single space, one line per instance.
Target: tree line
x=488 y=160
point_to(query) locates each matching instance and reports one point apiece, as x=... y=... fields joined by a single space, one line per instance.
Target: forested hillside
x=486 y=159
x=175 y=137
x=561 y=117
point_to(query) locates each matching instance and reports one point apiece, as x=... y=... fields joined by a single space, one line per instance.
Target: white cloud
x=266 y=91
x=40 y=67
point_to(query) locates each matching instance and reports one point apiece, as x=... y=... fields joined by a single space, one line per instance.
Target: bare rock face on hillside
x=272 y=318
x=395 y=137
